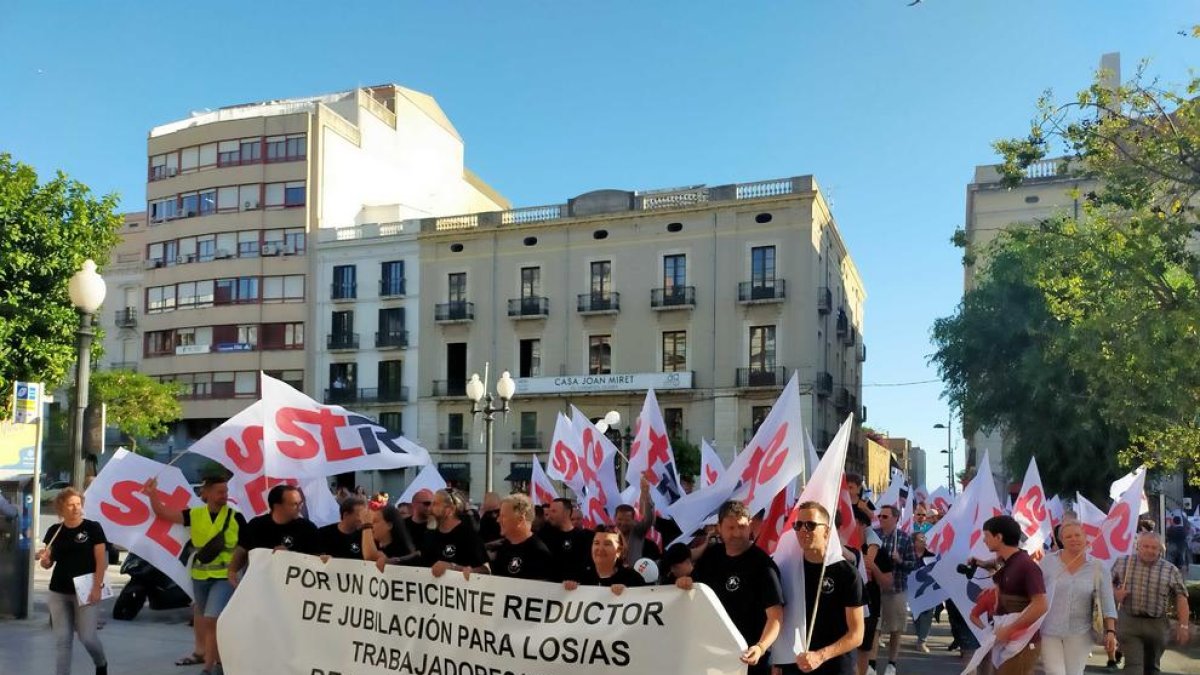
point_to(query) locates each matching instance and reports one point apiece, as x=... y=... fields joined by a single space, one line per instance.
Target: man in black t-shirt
x=521 y=555
x=418 y=522
x=453 y=544
x=343 y=539
x=280 y=529
x=489 y=525
x=836 y=621
x=571 y=546
x=746 y=581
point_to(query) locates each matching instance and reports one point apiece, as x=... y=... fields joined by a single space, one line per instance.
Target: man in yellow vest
x=210 y=580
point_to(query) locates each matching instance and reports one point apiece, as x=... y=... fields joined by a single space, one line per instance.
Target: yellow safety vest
x=204 y=528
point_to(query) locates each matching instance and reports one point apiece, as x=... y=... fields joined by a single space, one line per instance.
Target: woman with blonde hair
x=1077 y=582
x=74 y=547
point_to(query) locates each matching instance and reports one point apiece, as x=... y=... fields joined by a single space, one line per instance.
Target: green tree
x=1096 y=319
x=47 y=230
x=136 y=404
x=687 y=457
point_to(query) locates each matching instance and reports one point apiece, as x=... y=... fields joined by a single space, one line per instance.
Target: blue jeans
x=68 y=617
x=924 y=623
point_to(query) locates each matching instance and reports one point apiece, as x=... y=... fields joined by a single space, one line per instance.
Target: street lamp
x=482 y=404
x=612 y=422
x=87 y=290
x=949 y=451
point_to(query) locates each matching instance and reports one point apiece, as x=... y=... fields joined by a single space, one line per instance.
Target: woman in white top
x=1077 y=578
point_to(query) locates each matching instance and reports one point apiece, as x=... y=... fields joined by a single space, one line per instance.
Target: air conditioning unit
x=270 y=250
x=189 y=214
x=222 y=254
x=289 y=249
x=172 y=171
x=153 y=264
x=249 y=206
x=183 y=259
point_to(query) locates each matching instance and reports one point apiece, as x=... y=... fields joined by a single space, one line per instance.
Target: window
x=208 y=155
x=294 y=378
x=204 y=293
x=293 y=194
x=294 y=237
x=189 y=159
x=227 y=198
x=163 y=166
x=393 y=422
x=162 y=209
x=208 y=202
x=454 y=431
x=343 y=376
x=245 y=384
x=160 y=299
x=673 y=420
x=600 y=355
x=240 y=290
x=762 y=348
x=762 y=266
x=531 y=282
x=249 y=196
x=344 y=284
x=250 y=150
x=674 y=272
x=247 y=244
x=283 y=288
x=206 y=248
x=159 y=342
x=391 y=278
x=674 y=351
x=247 y=334
x=758 y=415
x=227 y=153
x=342 y=323
x=185 y=294
x=528 y=436
x=458 y=286
x=391 y=380
x=286 y=148
x=283 y=336
x=391 y=323
x=273 y=195
x=154 y=253
x=531 y=358
x=187 y=250
x=601 y=283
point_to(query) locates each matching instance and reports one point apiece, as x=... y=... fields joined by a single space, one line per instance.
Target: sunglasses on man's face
x=884 y=516
x=429 y=503
x=807 y=525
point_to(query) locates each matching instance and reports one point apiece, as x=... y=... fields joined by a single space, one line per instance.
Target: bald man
x=419 y=521
x=1144 y=585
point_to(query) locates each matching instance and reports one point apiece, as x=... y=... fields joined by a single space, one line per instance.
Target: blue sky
x=889 y=106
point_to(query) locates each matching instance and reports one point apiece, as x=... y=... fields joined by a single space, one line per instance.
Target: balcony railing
x=344 y=291
x=449 y=388
x=391 y=339
x=391 y=287
x=824 y=384
x=449 y=441
x=366 y=395
x=841 y=400
x=341 y=341
x=454 y=312
x=532 y=307
x=127 y=318
x=674 y=297
x=522 y=441
x=773 y=290
x=824 y=300
x=599 y=303
x=761 y=377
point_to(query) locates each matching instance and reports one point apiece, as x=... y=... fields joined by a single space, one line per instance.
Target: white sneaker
x=890 y=670
x=923 y=647
x=870 y=670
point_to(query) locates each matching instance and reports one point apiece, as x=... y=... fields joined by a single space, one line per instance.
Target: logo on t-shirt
x=355 y=548
x=81 y=537
x=566 y=545
x=449 y=551
x=827 y=586
x=733 y=583
x=287 y=541
x=514 y=565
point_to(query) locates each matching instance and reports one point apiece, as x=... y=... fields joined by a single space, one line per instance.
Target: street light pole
x=86 y=289
x=949 y=452
x=482 y=403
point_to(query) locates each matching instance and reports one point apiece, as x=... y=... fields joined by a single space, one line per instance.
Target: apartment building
x=119 y=319
x=234 y=199
x=712 y=296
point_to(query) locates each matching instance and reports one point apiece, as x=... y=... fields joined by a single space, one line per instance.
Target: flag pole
x=812 y=619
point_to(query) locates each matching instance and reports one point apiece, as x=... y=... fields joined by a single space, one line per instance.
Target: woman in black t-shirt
x=608 y=564
x=387 y=541
x=74 y=547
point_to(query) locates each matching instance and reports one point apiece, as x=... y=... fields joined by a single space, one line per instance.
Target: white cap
x=647 y=568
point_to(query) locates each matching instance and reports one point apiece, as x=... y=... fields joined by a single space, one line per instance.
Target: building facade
x=235 y=198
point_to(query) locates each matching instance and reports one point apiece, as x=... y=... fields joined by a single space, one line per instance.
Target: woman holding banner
x=1078 y=584
x=75 y=548
x=608 y=565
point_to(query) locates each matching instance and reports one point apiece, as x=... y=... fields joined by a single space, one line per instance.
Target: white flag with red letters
x=598 y=466
x=711 y=466
x=566 y=455
x=1031 y=510
x=541 y=490
x=651 y=456
x=1118 y=531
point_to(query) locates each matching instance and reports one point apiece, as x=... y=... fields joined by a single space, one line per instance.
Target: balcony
x=367 y=395
x=824 y=384
x=862 y=353
x=762 y=292
x=522 y=441
x=824 y=300
x=341 y=341
x=454 y=312
x=761 y=377
x=599 y=303
x=127 y=318
x=391 y=339
x=390 y=288
x=449 y=388
x=674 y=297
x=448 y=441
x=841 y=400
x=849 y=337
x=532 y=307
x=343 y=291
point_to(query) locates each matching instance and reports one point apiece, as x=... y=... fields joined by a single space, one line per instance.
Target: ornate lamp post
x=87 y=290
x=482 y=403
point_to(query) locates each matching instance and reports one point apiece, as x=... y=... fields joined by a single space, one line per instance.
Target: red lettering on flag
x=306 y=445
x=131 y=509
x=1030 y=510
x=247 y=456
x=565 y=462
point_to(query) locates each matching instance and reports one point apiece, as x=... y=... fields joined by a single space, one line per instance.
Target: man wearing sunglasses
x=419 y=522
x=280 y=529
x=837 y=619
x=893 y=606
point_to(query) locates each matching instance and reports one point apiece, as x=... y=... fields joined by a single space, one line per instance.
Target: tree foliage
x=47 y=230
x=1080 y=337
x=136 y=404
x=687 y=457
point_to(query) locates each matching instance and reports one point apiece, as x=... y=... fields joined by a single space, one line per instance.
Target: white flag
x=1118 y=531
x=711 y=467
x=1032 y=512
x=1122 y=484
x=651 y=456
x=429 y=478
x=566 y=455
x=824 y=487
x=599 y=470
x=541 y=490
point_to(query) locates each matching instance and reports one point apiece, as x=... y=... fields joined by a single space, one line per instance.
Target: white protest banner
x=294 y=614
x=541 y=490
x=304 y=438
x=711 y=467
x=651 y=456
x=942 y=500
x=1118 y=531
x=599 y=471
x=1031 y=510
x=823 y=487
x=115 y=500
x=566 y=455
x=429 y=478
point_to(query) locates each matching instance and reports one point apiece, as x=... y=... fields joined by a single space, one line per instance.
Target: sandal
x=192 y=659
